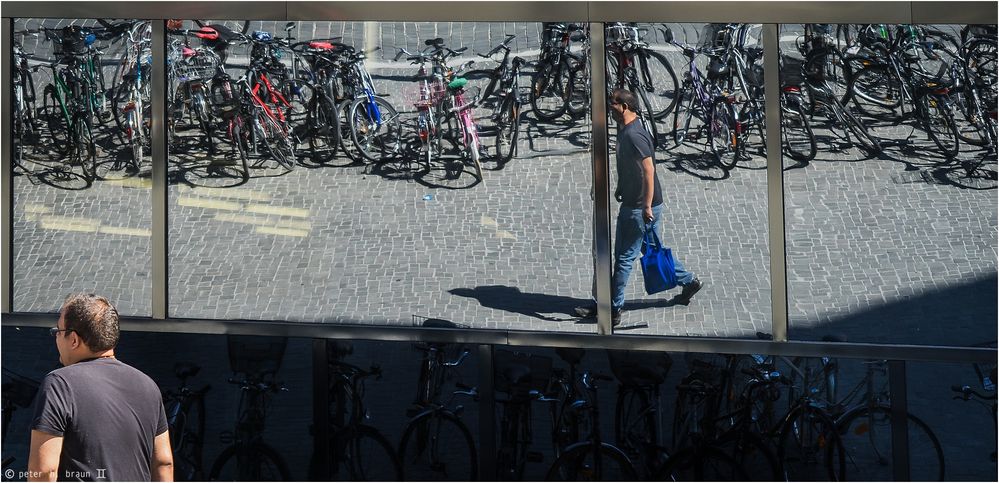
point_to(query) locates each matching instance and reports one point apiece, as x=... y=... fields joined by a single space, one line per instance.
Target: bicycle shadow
x=511 y=299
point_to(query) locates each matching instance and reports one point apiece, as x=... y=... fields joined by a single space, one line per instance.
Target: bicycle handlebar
x=967 y=393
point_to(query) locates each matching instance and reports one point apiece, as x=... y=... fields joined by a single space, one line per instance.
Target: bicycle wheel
x=796 y=132
x=661 y=91
x=256 y=462
x=239 y=137
x=721 y=134
x=635 y=426
x=276 y=140
x=876 y=92
x=866 y=441
x=83 y=151
x=368 y=456
x=548 y=99
x=978 y=128
x=187 y=439
x=55 y=120
x=647 y=119
x=753 y=455
x=683 y=114
x=375 y=129
x=581 y=463
x=860 y=134
x=706 y=463
x=803 y=446
x=437 y=446
x=579 y=87
x=507 y=129
x=473 y=151
x=937 y=119
x=323 y=128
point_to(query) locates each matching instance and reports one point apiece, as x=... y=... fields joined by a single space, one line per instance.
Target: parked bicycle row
x=734 y=418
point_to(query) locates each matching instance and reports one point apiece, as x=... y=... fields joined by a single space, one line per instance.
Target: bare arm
x=43 y=456
x=648 y=187
x=162 y=464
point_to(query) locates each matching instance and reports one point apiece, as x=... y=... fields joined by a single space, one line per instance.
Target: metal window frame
x=769 y=13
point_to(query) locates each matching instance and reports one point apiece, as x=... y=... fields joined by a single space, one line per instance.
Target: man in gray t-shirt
x=641 y=197
x=97 y=418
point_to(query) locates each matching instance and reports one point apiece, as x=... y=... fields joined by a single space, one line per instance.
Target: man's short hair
x=624 y=96
x=94 y=319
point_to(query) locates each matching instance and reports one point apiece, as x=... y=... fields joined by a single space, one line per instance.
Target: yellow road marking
x=298 y=225
x=270 y=230
x=487 y=221
x=235 y=218
x=122 y=230
x=226 y=193
x=505 y=234
x=66 y=223
x=36 y=208
x=207 y=203
x=144 y=183
x=278 y=210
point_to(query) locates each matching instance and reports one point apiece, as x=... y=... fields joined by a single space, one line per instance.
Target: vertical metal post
x=899 y=421
x=7 y=168
x=320 y=411
x=487 y=415
x=601 y=177
x=158 y=142
x=775 y=184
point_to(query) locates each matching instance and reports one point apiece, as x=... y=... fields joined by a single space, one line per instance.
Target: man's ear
x=75 y=340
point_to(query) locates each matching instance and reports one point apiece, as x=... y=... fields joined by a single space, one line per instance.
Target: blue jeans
x=628 y=247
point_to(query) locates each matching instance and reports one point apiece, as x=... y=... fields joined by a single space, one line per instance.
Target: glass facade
x=82 y=207
x=890 y=182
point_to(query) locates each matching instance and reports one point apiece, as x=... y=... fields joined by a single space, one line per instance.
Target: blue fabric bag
x=658 y=267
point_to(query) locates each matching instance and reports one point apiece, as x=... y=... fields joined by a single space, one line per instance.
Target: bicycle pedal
x=535 y=457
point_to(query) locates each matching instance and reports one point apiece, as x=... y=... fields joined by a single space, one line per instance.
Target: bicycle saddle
x=438 y=42
x=184 y=370
x=639 y=368
x=570 y=355
x=458 y=83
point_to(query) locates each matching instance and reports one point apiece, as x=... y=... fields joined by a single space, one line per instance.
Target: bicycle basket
x=250 y=354
x=518 y=373
x=639 y=368
x=201 y=66
x=74 y=40
x=621 y=32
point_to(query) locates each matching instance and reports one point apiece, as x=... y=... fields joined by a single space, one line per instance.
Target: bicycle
x=375 y=126
x=628 y=60
x=130 y=90
x=19 y=392
x=518 y=378
x=360 y=451
x=557 y=72
x=638 y=412
x=502 y=93
x=987 y=383
x=248 y=458
x=185 y=412
x=25 y=129
x=568 y=425
x=591 y=459
x=436 y=445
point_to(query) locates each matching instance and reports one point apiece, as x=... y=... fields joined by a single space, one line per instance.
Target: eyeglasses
x=55 y=330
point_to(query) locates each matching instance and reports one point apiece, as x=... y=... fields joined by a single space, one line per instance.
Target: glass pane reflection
x=81 y=162
x=330 y=171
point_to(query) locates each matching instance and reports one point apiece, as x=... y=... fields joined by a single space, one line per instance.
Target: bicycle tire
x=866 y=442
x=84 y=151
x=423 y=433
x=753 y=455
x=579 y=88
x=577 y=464
x=363 y=443
x=507 y=129
x=647 y=119
x=258 y=455
x=876 y=92
x=796 y=131
x=937 y=119
x=860 y=133
x=323 y=127
x=683 y=114
x=703 y=463
x=474 y=151
x=276 y=140
x=375 y=141
x=805 y=437
x=721 y=136
x=240 y=145
x=978 y=128
x=547 y=102
x=187 y=444
x=635 y=425
x=663 y=97
x=56 y=120
x=511 y=455
x=199 y=104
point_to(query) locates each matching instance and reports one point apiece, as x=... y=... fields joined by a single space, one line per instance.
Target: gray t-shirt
x=634 y=144
x=108 y=414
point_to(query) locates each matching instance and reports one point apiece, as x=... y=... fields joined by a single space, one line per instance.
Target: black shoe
x=688 y=292
x=616 y=317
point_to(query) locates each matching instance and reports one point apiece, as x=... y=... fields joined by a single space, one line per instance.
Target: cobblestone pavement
x=965 y=430
x=875 y=247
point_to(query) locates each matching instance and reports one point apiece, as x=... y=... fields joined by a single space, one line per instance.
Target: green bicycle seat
x=457 y=83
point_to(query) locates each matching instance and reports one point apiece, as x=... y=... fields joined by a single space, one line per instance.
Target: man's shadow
x=511 y=299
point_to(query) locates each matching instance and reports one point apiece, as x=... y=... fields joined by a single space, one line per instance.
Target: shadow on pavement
x=511 y=299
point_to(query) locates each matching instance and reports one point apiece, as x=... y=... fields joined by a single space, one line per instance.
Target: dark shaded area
x=511 y=299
